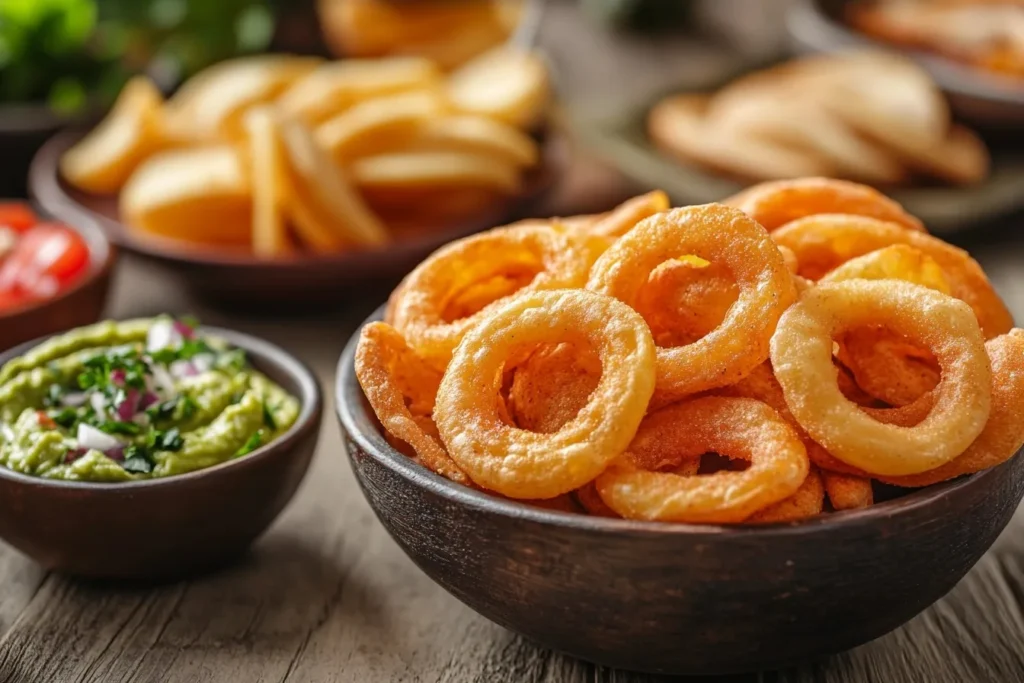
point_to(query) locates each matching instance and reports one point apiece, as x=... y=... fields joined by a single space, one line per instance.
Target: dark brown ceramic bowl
x=984 y=99
x=677 y=598
x=80 y=304
x=241 y=281
x=166 y=528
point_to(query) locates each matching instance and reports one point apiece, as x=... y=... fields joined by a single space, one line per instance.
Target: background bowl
x=243 y=282
x=977 y=96
x=676 y=598
x=174 y=526
x=75 y=306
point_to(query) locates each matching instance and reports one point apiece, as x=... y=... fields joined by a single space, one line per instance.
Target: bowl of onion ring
x=677 y=598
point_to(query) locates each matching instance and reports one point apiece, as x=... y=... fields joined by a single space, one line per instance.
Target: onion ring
x=1003 y=434
x=777 y=202
x=807 y=502
x=823 y=242
x=401 y=389
x=552 y=385
x=522 y=464
x=717 y=234
x=557 y=259
x=846 y=492
x=801 y=353
x=733 y=427
x=622 y=218
x=685 y=299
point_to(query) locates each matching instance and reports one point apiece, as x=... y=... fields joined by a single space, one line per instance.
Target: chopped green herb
x=268 y=418
x=254 y=442
x=118 y=427
x=137 y=464
x=54 y=394
x=168 y=441
x=188 y=407
x=66 y=418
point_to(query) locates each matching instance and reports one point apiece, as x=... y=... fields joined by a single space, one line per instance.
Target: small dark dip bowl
x=678 y=598
x=80 y=304
x=160 y=529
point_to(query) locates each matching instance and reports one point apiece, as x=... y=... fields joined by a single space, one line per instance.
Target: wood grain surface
x=326 y=596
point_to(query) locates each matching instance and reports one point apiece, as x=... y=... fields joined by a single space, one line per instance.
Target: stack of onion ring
x=762 y=361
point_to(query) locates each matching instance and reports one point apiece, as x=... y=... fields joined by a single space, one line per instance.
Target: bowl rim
x=354 y=416
x=48 y=189
x=103 y=254
x=810 y=27
x=309 y=395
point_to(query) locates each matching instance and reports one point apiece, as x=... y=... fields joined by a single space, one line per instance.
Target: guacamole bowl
x=678 y=598
x=167 y=527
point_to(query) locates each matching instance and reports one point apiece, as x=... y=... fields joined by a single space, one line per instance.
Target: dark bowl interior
x=676 y=598
x=166 y=528
x=80 y=304
x=984 y=99
x=241 y=281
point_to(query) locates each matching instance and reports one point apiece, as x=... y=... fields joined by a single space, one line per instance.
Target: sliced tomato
x=9 y=299
x=17 y=216
x=46 y=259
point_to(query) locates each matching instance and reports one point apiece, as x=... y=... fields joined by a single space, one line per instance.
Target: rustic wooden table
x=326 y=595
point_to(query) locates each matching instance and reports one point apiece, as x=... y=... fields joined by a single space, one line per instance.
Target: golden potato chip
x=506 y=84
x=200 y=194
x=328 y=213
x=102 y=161
x=269 y=193
x=377 y=125
x=411 y=170
x=475 y=135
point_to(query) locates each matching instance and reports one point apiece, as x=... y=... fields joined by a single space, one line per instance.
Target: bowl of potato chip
x=284 y=179
x=696 y=440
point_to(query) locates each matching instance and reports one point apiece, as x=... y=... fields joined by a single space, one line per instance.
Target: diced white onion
x=203 y=362
x=182 y=368
x=98 y=403
x=164 y=383
x=92 y=438
x=74 y=399
x=162 y=335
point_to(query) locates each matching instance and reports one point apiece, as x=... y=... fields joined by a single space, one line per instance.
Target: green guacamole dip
x=120 y=401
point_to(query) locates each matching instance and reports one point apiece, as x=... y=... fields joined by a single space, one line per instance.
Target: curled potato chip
x=103 y=160
x=717 y=234
x=377 y=125
x=478 y=135
x=801 y=353
x=846 y=492
x=777 y=202
x=556 y=260
x=334 y=87
x=807 y=502
x=401 y=389
x=824 y=242
x=328 y=213
x=551 y=387
x=734 y=427
x=211 y=104
x=507 y=84
x=1003 y=433
x=522 y=464
x=200 y=194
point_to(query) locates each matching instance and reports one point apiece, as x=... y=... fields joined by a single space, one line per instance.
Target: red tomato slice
x=9 y=299
x=46 y=259
x=17 y=216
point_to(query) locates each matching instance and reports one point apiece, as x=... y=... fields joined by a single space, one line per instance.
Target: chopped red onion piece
x=184 y=330
x=74 y=454
x=116 y=453
x=126 y=408
x=117 y=376
x=148 y=399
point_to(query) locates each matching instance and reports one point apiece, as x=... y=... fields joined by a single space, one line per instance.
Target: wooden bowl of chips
x=678 y=598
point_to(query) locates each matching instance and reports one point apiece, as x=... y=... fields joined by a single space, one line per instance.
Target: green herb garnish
x=119 y=427
x=268 y=418
x=254 y=442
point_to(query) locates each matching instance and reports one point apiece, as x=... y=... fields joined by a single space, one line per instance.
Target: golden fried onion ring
x=522 y=464
x=718 y=234
x=733 y=427
x=801 y=353
x=558 y=259
x=401 y=389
